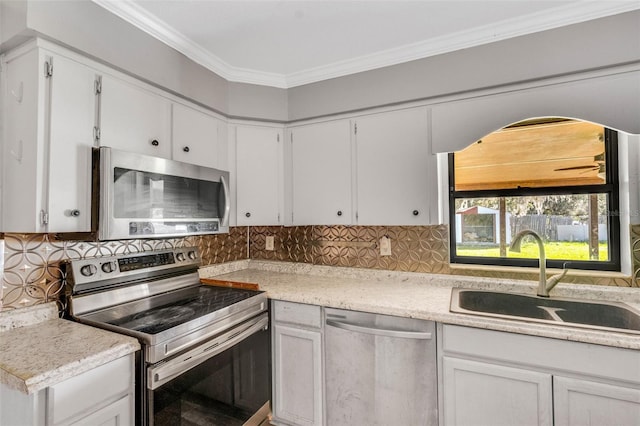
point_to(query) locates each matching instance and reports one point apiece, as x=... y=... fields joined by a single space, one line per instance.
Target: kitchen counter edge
x=38 y=349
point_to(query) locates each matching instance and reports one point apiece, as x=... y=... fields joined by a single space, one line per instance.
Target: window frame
x=610 y=187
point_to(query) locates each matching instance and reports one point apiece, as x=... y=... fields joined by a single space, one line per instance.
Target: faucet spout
x=544 y=286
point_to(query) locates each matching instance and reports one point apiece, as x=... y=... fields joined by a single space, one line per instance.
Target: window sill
x=523 y=273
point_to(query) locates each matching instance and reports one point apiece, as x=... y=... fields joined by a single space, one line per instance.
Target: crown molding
x=532 y=23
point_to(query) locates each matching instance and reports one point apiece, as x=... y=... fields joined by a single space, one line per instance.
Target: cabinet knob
x=185 y=149
x=339 y=213
x=416 y=212
x=155 y=142
x=75 y=212
x=247 y=214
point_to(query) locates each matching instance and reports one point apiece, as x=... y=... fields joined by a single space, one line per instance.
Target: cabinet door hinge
x=278 y=137
x=96 y=134
x=355 y=128
x=278 y=217
x=98 y=85
x=44 y=217
x=48 y=69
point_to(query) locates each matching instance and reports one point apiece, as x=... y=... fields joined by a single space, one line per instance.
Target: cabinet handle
x=75 y=212
x=247 y=214
x=416 y=212
x=357 y=328
x=339 y=213
x=155 y=142
x=185 y=149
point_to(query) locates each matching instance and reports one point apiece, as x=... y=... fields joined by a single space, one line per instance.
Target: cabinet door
x=259 y=175
x=23 y=165
x=396 y=172
x=72 y=119
x=297 y=376
x=47 y=153
x=321 y=174
x=118 y=413
x=478 y=393
x=133 y=119
x=195 y=136
x=582 y=402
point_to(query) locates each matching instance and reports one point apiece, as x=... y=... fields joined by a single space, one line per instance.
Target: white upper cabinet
x=259 y=178
x=73 y=104
x=50 y=108
x=321 y=173
x=196 y=136
x=134 y=119
x=396 y=172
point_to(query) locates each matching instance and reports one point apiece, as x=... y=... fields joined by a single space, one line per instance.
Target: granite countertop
x=415 y=295
x=38 y=349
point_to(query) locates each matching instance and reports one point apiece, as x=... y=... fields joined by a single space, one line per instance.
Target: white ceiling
x=289 y=43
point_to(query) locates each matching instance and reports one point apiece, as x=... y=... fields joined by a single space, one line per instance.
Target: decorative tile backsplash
x=32 y=262
x=414 y=248
x=635 y=254
x=32 y=273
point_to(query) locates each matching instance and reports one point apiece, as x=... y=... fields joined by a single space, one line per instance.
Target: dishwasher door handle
x=379 y=331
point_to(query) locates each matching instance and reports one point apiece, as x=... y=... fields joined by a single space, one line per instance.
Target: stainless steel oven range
x=205 y=356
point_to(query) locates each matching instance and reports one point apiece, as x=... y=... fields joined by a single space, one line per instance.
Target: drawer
x=88 y=391
x=297 y=313
x=542 y=352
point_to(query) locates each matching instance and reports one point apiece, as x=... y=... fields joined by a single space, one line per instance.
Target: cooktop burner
x=164 y=311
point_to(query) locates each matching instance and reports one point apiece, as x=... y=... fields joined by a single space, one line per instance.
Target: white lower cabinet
x=497 y=378
x=297 y=364
x=101 y=396
x=585 y=402
x=479 y=393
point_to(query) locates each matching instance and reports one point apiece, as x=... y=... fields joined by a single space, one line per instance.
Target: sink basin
x=612 y=316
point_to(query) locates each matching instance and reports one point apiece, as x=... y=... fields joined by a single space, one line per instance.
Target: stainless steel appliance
x=380 y=369
x=206 y=354
x=143 y=196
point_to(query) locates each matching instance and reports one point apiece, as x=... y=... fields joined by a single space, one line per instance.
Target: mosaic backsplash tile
x=32 y=273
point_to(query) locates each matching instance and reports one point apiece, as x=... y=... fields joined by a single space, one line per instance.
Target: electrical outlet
x=268 y=245
x=385 y=246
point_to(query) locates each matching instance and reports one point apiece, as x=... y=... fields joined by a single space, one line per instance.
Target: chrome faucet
x=544 y=285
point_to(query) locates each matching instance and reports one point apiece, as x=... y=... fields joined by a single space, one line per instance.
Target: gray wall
x=88 y=28
x=250 y=100
x=593 y=44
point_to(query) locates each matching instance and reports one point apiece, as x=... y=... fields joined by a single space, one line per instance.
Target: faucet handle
x=551 y=282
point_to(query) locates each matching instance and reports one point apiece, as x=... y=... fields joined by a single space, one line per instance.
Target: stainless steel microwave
x=149 y=197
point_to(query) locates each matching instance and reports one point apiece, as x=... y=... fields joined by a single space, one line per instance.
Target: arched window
x=555 y=176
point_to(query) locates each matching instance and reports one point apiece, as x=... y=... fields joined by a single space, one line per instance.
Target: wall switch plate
x=268 y=244
x=385 y=246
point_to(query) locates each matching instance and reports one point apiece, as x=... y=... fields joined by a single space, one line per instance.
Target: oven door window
x=144 y=195
x=226 y=389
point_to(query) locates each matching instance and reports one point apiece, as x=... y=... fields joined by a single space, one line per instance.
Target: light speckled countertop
x=415 y=295
x=37 y=349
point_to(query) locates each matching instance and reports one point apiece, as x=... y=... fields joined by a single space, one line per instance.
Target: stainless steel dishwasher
x=380 y=370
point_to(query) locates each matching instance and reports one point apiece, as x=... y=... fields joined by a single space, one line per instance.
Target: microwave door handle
x=227 y=202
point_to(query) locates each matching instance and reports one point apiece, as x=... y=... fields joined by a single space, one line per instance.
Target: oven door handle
x=165 y=371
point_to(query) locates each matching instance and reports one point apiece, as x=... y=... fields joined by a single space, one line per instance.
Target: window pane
x=572 y=226
x=556 y=154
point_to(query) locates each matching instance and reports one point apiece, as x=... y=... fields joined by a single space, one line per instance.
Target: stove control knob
x=88 y=270
x=180 y=257
x=108 y=267
x=192 y=255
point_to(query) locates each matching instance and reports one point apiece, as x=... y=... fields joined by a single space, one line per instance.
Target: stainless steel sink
x=613 y=316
